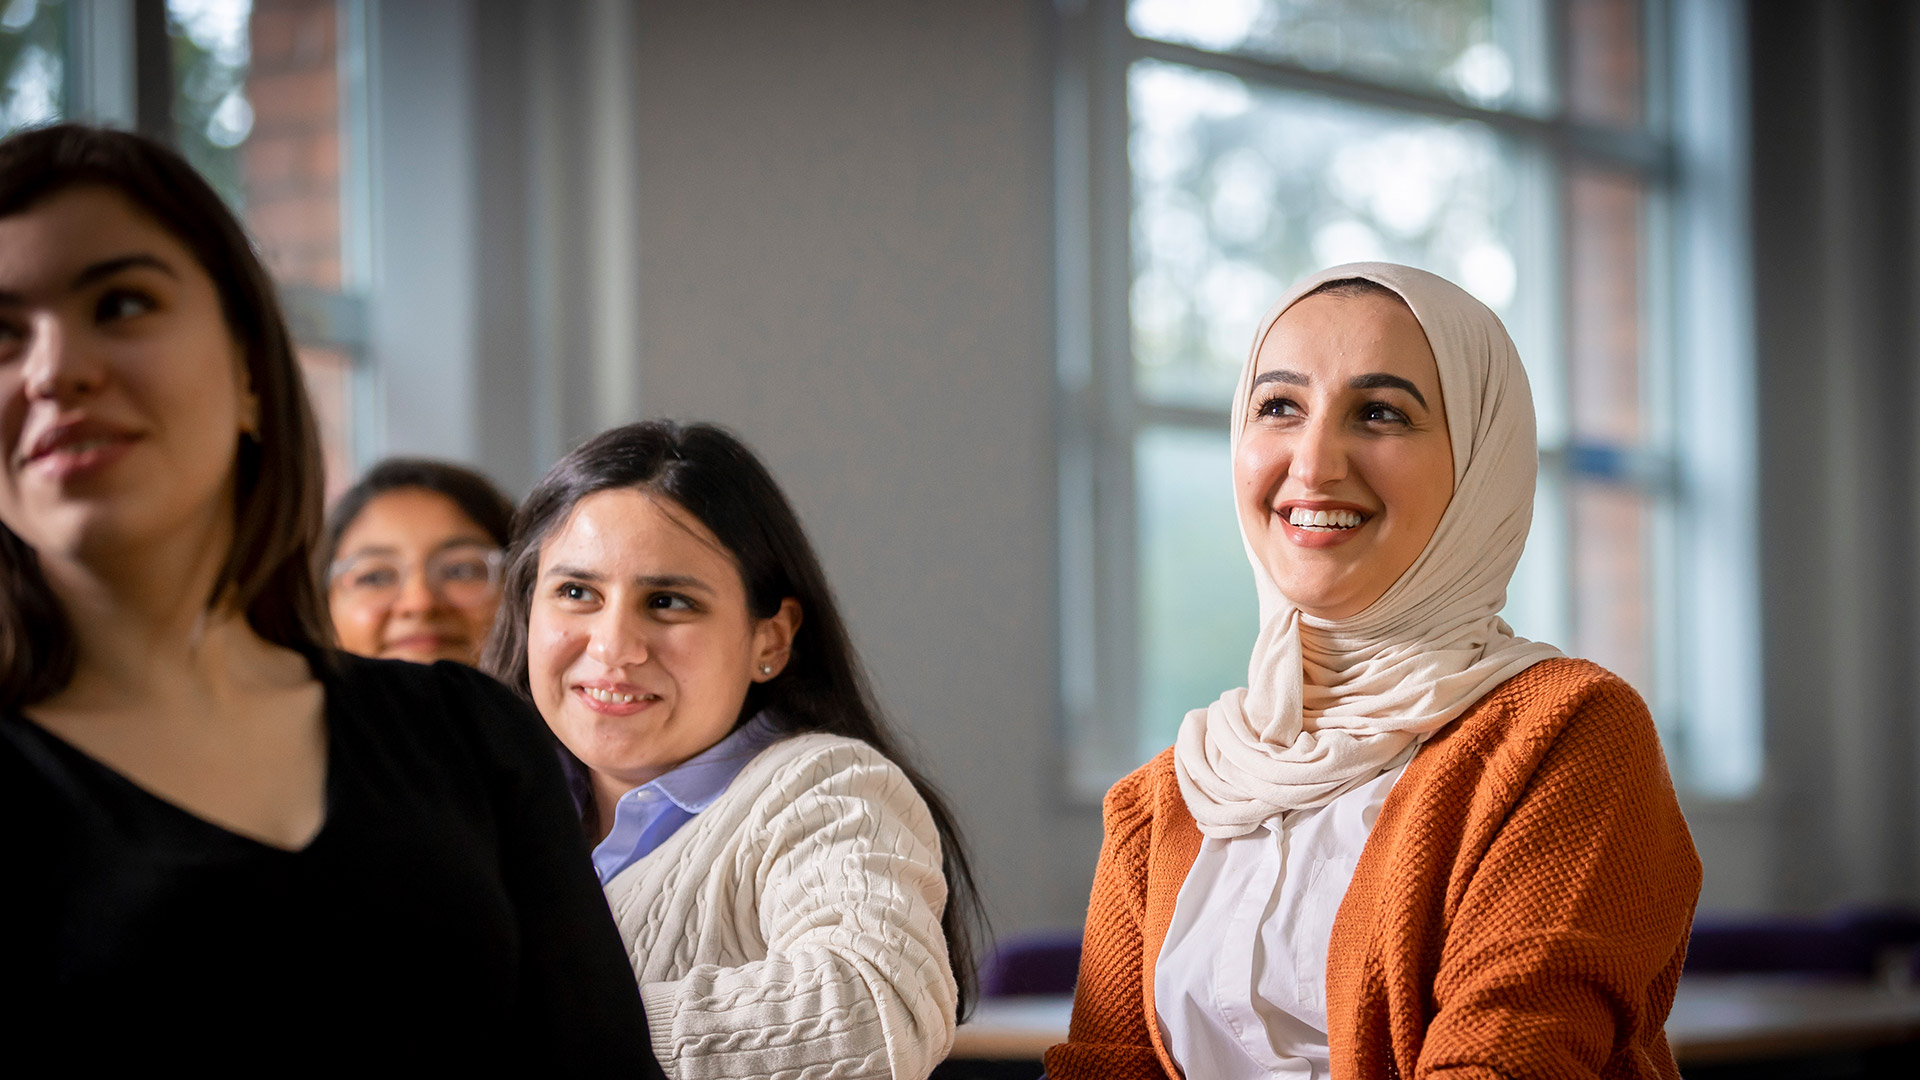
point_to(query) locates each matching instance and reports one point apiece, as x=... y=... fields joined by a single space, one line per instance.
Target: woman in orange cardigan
x=1414 y=844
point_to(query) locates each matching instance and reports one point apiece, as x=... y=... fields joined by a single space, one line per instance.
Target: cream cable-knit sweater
x=792 y=929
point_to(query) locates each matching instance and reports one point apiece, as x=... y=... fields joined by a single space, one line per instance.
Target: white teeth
x=610 y=697
x=1304 y=518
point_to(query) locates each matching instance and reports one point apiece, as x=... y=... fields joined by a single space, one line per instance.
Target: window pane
x=1611 y=617
x=33 y=55
x=1487 y=52
x=1239 y=191
x=1603 y=310
x=257 y=109
x=1197 y=614
x=1606 y=74
x=211 y=113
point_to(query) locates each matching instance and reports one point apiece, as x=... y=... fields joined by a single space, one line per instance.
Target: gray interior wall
x=421 y=309
x=847 y=257
x=1834 y=90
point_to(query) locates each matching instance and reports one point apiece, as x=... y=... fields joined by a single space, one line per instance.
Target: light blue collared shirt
x=645 y=817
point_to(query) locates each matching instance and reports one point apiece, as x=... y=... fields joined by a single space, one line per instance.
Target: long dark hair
x=475 y=495
x=713 y=476
x=277 y=478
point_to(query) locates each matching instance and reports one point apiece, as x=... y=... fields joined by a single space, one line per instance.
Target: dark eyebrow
x=1291 y=378
x=674 y=581
x=651 y=581
x=1380 y=380
x=106 y=268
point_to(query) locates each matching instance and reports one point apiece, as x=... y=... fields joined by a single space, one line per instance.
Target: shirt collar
x=695 y=783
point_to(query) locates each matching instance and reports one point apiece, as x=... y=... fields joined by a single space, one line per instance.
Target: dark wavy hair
x=716 y=478
x=475 y=495
x=278 y=481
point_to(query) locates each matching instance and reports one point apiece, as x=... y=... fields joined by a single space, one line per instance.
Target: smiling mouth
x=75 y=438
x=1324 y=520
x=614 y=697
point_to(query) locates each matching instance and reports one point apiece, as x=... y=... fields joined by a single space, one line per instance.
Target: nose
x=1319 y=454
x=416 y=596
x=619 y=639
x=59 y=367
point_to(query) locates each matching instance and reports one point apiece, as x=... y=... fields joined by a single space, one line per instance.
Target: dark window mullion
x=153 y=71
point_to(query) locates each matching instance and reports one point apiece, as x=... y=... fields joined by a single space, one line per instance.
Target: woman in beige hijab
x=1413 y=842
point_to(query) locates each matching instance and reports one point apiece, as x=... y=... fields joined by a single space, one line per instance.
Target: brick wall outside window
x=291 y=175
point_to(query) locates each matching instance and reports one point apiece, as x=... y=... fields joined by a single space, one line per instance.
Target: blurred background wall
x=1835 y=90
x=866 y=235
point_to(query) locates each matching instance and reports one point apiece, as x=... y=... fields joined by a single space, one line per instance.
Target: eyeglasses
x=461 y=576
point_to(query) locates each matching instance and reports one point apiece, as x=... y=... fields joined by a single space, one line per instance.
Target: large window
x=33 y=63
x=1214 y=152
x=259 y=96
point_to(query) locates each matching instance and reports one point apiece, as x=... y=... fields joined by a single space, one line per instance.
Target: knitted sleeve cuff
x=662 y=1003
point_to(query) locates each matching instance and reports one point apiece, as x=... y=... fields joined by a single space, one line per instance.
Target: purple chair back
x=1047 y=962
x=1884 y=924
x=1851 y=943
x=1778 y=945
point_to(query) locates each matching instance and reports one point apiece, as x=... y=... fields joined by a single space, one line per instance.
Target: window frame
x=1100 y=414
x=119 y=73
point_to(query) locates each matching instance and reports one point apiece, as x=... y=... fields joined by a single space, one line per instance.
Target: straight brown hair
x=278 y=482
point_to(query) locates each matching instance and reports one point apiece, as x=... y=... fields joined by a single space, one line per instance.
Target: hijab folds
x=1333 y=703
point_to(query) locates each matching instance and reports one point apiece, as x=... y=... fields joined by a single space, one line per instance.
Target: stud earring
x=766 y=669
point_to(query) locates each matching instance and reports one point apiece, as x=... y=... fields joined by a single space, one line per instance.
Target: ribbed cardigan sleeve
x=841 y=878
x=1108 y=1038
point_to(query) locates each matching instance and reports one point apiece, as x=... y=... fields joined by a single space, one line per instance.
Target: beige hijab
x=1330 y=704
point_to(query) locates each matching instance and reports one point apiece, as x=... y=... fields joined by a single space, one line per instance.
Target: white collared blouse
x=1240 y=988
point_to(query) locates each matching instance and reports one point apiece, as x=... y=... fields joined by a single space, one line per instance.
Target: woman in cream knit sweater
x=793 y=895
x=1413 y=844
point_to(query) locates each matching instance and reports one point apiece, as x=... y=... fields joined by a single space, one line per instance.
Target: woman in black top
x=225 y=844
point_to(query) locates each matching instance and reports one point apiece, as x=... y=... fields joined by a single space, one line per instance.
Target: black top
x=446 y=914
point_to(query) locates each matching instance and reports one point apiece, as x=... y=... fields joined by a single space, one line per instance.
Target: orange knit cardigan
x=1520 y=908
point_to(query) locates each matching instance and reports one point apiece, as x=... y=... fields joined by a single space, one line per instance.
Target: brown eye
x=1380 y=413
x=376 y=577
x=117 y=304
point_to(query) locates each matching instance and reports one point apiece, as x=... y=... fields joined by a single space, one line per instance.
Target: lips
x=78 y=442
x=424 y=643
x=1324 y=519
x=614 y=698
x=1321 y=524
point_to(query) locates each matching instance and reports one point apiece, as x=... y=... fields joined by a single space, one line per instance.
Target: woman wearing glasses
x=226 y=845
x=412 y=559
